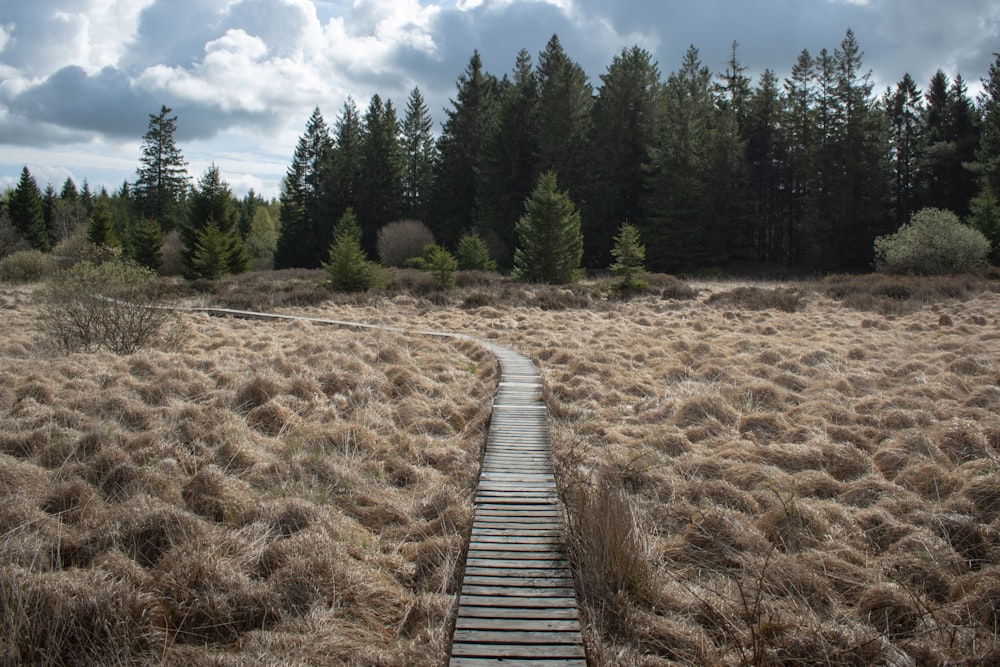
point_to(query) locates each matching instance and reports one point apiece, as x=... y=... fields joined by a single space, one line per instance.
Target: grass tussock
x=251 y=493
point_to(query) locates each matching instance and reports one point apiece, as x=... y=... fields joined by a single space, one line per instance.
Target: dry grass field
x=804 y=474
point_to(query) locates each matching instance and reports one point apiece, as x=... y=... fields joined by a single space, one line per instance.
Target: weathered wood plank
x=524 y=637
x=522 y=662
x=493 y=612
x=518 y=651
x=496 y=601
x=530 y=625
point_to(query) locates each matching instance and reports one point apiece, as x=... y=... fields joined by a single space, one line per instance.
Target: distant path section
x=517 y=605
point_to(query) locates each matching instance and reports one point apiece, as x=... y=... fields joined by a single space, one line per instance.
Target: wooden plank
x=529 y=637
x=513 y=613
x=523 y=662
x=518 y=651
x=529 y=563
x=503 y=580
x=539 y=602
x=527 y=624
x=518 y=572
x=520 y=592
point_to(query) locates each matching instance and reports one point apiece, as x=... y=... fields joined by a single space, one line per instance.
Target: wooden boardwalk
x=517 y=605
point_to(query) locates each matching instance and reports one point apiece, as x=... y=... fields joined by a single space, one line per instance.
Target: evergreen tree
x=162 y=174
x=69 y=191
x=682 y=224
x=48 y=213
x=565 y=99
x=262 y=239
x=985 y=216
x=302 y=199
x=26 y=212
x=623 y=129
x=342 y=170
x=905 y=117
x=473 y=255
x=630 y=257
x=799 y=119
x=100 y=231
x=146 y=243
x=379 y=197
x=348 y=268
x=769 y=174
x=551 y=243
x=211 y=229
x=463 y=139
x=988 y=155
x=418 y=155
x=508 y=170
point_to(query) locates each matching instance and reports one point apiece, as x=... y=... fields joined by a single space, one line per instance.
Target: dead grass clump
x=929 y=480
x=785 y=299
x=762 y=427
x=149 y=529
x=700 y=409
x=984 y=492
x=271 y=418
x=890 y=610
x=256 y=392
x=207 y=598
x=720 y=538
x=962 y=443
x=793 y=526
x=72 y=501
x=214 y=495
x=606 y=547
x=90 y=618
x=670 y=287
x=976 y=543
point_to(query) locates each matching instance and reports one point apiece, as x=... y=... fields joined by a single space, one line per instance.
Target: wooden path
x=517 y=605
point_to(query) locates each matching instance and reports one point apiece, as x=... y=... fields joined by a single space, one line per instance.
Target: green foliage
x=441 y=264
x=26 y=212
x=26 y=266
x=933 y=242
x=262 y=239
x=551 y=244
x=115 y=306
x=630 y=255
x=985 y=216
x=348 y=268
x=402 y=240
x=100 y=231
x=162 y=174
x=473 y=255
x=212 y=243
x=146 y=246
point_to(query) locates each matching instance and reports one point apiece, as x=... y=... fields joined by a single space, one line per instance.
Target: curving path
x=517 y=605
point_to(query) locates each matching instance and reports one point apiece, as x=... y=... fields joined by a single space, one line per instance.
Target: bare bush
x=26 y=266
x=115 y=306
x=402 y=240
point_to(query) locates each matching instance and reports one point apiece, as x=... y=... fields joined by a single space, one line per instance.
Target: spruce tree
x=418 y=155
x=100 y=231
x=341 y=172
x=630 y=257
x=162 y=174
x=551 y=244
x=473 y=255
x=212 y=206
x=303 y=205
x=348 y=268
x=26 y=212
x=380 y=195
x=461 y=146
x=146 y=243
x=905 y=115
x=988 y=155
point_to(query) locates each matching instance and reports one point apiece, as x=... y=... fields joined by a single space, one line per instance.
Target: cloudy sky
x=79 y=78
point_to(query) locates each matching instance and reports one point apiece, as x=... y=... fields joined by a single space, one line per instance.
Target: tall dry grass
x=797 y=474
x=268 y=493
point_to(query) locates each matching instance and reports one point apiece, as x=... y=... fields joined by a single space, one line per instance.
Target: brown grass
x=268 y=490
x=807 y=485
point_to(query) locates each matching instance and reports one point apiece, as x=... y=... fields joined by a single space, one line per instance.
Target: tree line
x=712 y=170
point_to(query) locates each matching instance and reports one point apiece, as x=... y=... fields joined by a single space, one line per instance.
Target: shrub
x=473 y=255
x=26 y=266
x=402 y=240
x=349 y=269
x=933 y=242
x=115 y=306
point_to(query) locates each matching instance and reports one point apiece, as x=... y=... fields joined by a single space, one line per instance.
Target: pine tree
x=769 y=173
x=985 y=216
x=49 y=200
x=146 y=243
x=26 y=212
x=988 y=155
x=473 y=255
x=212 y=207
x=380 y=195
x=799 y=119
x=509 y=165
x=303 y=199
x=418 y=155
x=341 y=171
x=630 y=257
x=100 y=231
x=348 y=268
x=551 y=243
x=162 y=174
x=463 y=139
x=623 y=129
x=565 y=100
x=905 y=116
